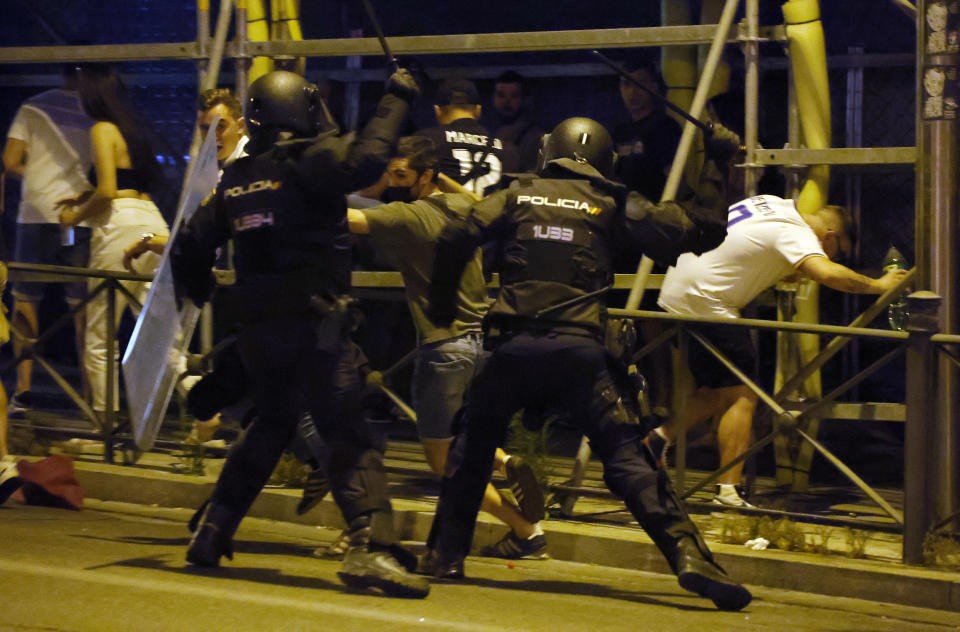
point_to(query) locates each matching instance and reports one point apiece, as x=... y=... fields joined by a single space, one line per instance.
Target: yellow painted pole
x=258 y=30
x=710 y=14
x=809 y=63
x=678 y=65
x=289 y=20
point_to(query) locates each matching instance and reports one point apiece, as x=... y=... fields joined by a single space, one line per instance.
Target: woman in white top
x=119 y=210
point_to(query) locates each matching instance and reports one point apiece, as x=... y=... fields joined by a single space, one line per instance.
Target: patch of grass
x=856 y=542
x=819 y=540
x=532 y=446
x=941 y=549
x=787 y=535
x=736 y=528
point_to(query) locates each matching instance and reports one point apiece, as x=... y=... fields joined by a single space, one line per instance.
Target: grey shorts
x=441 y=376
x=40 y=243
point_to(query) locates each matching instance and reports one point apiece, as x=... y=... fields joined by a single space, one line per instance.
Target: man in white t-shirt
x=48 y=148
x=767 y=240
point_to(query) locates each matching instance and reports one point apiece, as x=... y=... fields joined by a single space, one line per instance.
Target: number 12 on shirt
x=467 y=160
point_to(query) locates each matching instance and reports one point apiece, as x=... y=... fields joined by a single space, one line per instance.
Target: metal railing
x=110 y=283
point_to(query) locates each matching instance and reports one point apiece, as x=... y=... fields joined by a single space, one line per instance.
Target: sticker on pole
x=154 y=360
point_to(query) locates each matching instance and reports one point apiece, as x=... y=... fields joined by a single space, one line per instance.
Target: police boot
x=197 y=516
x=698 y=572
x=214 y=536
x=431 y=564
x=388 y=567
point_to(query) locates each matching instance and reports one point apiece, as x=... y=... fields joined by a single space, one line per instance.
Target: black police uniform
x=557 y=234
x=286 y=212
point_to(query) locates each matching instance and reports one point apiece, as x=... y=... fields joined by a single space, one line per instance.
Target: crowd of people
x=555 y=214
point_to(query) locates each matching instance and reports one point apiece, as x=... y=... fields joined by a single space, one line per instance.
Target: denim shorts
x=40 y=243
x=441 y=376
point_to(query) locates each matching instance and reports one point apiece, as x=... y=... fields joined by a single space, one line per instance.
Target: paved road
x=125 y=570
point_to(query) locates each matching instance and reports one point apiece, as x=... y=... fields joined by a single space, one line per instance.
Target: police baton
x=571 y=302
x=379 y=31
x=706 y=128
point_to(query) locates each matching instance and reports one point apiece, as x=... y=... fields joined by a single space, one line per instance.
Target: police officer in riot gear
x=556 y=234
x=285 y=209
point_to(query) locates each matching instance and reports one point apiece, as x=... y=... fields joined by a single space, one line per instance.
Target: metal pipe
x=109 y=414
x=839 y=342
x=751 y=87
x=859 y=482
x=203 y=37
x=210 y=75
x=700 y=99
x=241 y=55
x=776 y=325
x=686 y=138
x=936 y=241
x=782 y=415
x=921 y=407
x=219 y=43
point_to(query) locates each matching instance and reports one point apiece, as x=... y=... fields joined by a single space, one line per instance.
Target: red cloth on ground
x=50 y=482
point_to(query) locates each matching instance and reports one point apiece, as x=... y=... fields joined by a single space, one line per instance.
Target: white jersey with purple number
x=766 y=240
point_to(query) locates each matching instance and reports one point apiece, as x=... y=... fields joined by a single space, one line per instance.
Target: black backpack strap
x=441 y=205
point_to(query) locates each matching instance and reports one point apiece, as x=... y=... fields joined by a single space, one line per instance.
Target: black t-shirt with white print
x=468 y=154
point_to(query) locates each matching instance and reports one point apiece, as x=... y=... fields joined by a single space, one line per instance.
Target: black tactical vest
x=291 y=241
x=556 y=250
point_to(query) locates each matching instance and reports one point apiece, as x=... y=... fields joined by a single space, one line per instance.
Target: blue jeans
x=441 y=376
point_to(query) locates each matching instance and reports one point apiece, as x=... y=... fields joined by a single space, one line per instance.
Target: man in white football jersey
x=767 y=240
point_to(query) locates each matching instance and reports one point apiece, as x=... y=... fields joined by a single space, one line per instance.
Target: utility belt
x=496 y=331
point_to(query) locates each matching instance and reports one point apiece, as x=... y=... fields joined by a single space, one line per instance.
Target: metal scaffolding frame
x=933 y=157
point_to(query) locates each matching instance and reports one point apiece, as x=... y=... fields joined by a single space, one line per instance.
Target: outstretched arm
x=666 y=230
x=842 y=278
x=456 y=247
x=346 y=163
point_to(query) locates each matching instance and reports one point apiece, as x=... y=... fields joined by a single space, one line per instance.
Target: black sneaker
x=526 y=489
x=10 y=480
x=513 y=548
x=314 y=490
x=372 y=567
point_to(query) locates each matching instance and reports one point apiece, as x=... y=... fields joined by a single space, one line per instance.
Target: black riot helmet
x=581 y=139
x=282 y=105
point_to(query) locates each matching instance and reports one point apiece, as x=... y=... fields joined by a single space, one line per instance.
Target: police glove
x=403 y=85
x=722 y=146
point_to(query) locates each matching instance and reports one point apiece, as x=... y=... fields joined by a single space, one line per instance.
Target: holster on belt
x=335 y=319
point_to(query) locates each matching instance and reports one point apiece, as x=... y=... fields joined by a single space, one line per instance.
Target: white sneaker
x=10 y=480
x=729 y=495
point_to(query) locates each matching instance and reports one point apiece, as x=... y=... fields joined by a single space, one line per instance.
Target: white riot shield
x=154 y=358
